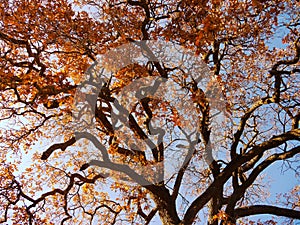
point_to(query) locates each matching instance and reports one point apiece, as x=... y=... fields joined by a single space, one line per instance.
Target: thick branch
x=266 y=209
x=140 y=179
x=46 y=154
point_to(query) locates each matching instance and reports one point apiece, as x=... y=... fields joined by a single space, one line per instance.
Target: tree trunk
x=167 y=210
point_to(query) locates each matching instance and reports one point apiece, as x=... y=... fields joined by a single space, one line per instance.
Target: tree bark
x=166 y=209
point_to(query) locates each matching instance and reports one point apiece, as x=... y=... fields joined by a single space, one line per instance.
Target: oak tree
x=72 y=153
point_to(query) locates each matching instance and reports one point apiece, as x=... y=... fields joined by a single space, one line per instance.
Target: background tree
x=47 y=48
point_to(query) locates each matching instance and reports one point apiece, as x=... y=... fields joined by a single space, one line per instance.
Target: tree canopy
x=99 y=99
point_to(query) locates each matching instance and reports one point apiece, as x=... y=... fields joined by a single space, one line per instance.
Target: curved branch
x=146 y=20
x=288 y=62
x=78 y=136
x=243 y=121
x=95 y=141
x=140 y=179
x=277 y=74
x=266 y=209
x=46 y=154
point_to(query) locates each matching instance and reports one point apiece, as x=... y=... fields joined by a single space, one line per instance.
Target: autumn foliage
x=54 y=170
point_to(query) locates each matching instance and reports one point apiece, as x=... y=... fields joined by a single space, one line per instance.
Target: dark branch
x=266 y=209
x=54 y=147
